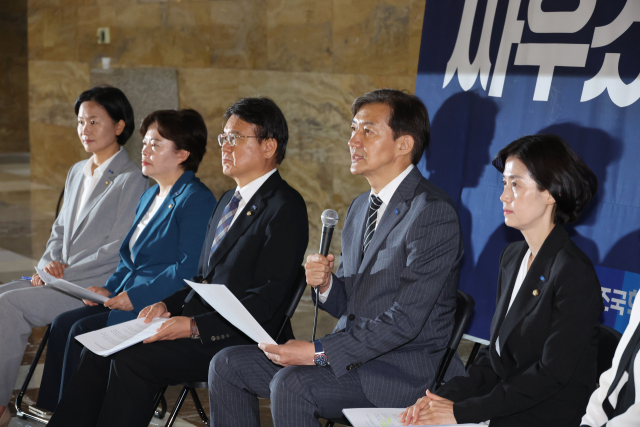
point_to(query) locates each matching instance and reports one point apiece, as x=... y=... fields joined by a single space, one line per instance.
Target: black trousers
x=119 y=390
x=63 y=350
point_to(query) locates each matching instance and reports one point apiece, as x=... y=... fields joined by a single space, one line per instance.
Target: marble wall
x=14 y=109
x=312 y=57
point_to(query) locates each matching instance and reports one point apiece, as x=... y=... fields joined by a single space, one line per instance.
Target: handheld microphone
x=329 y=220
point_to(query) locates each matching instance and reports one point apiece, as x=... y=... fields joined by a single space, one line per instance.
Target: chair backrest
x=608 y=339
x=464 y=311
x=296 y=293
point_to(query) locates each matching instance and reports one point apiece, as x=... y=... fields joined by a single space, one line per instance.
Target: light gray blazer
x=396 y=305
x=90 y=246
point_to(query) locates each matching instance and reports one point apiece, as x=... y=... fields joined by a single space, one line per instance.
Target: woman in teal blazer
x=161 y=249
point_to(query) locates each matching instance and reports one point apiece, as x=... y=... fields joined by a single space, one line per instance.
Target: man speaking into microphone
x=393 y=293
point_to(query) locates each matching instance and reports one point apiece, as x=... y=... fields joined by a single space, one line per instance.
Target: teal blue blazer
x=167 y=250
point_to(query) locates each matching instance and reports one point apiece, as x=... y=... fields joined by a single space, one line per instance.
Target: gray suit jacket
x=396 y=305
x=90 y=246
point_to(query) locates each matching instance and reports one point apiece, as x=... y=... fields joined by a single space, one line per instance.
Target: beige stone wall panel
x=300 y=35
x=53 y=88
x=371 y=37
x=53 y=33
x=238 y=34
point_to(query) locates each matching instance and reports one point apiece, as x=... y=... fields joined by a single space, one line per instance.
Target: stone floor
x=27 y=211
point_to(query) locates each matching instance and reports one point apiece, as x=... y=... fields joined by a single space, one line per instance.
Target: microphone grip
x=325 y=240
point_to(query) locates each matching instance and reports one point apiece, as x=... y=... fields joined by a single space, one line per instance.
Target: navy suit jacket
x=396 y=305
x=167 y=250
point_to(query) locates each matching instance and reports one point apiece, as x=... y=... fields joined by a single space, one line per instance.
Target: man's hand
x=119 y=302
x=55 y=269
x=172 y=329
x=318 y=271
x=97 y=290
x=158 y=309
x=294 y=352
x=429 y=410
x=36 y=280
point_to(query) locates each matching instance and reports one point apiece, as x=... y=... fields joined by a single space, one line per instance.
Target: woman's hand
x=429 y=410
x=119 y=302
x=96 y=290
x=36 y=280
x=56 y=269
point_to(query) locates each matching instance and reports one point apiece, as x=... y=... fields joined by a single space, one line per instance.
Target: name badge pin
x=535 y=293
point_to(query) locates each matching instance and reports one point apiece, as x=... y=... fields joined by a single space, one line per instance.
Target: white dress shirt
x=249 y=190
x=157 y=202
x=91 y=178
x=522 y=273
x=595 y=415
x=385 y=195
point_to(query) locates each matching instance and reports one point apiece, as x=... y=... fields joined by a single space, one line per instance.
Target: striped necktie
x=374 y=204
x=225 y=221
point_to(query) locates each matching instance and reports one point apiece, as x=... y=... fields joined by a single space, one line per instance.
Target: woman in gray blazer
x=100 y=198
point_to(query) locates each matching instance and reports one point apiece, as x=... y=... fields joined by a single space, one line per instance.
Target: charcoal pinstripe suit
x=395 y=307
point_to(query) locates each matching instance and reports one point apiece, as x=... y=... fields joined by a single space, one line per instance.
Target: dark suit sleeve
x=576 y=307
x=287 y=235
x=432 y=248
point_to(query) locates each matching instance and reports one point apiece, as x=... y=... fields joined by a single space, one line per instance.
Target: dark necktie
x=225 y=221
x=626 y=397
x=374 y=205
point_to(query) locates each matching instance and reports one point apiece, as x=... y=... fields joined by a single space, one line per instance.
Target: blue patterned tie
x=374 y=204
x=225 y=221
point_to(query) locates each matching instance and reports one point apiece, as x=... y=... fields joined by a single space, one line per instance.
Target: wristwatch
x=320 y=359
x=194 y=330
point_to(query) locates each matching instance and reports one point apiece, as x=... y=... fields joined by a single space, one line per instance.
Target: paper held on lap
x=112 y=339
x=70 y=288
x=224 y=302
x=380 y=417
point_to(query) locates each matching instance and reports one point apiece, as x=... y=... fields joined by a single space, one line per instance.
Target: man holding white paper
x=255 y=244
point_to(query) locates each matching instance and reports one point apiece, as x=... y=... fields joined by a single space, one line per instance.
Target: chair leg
x=160 y=400
x=473 y=355
x=27 y=380
x=177 y=406
x=196 y=400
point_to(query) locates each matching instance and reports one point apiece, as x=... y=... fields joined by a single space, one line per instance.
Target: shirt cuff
x=323 y=296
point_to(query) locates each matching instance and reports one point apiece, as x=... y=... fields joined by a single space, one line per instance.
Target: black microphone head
x=329 y=218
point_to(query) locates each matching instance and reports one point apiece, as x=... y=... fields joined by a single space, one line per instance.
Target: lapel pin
x=535 y=293
x=254 y=207
x=248 y=213
x=397 y=212
x=110 y=171
x=170 y=206
x=106 y=183
x=542 y=278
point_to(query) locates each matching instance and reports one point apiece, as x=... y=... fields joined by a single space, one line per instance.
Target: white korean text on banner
x=494 y=70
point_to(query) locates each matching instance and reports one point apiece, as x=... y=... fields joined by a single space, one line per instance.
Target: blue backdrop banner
x=494 y=70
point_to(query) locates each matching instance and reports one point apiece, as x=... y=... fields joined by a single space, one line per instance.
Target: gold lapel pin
x=249 y=213
x=170 y=206
x=535 y=292
x=106 y=183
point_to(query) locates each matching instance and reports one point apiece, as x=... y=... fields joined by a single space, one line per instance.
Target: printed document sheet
x=70 y=288
x=224 y=302
x=380 y=417
x=111 y=339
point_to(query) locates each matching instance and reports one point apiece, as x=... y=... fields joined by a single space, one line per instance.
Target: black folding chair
x=298 y=289
x=608 y=339
x=34 y=364
x=464 y=310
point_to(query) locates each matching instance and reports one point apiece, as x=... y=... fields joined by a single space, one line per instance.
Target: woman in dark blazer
x=540 y=366
x=161 y=249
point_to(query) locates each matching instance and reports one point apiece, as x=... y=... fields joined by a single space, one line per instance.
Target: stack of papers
x=111 y=339
x=381 y=417
x=70 y=288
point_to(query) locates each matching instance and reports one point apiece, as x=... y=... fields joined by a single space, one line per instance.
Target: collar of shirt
x=249 y=190
x=388 y=191
x=100 y=169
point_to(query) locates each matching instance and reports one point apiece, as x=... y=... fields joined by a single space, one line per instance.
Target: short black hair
x=185 y=128
x=555 y=167
x=115 y=103
x=407 y=116
x=267 y=119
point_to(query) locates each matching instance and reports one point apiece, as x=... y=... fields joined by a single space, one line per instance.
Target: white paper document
x=70 y=288
x=224 y=302
x=111 y=339
x=380 y=417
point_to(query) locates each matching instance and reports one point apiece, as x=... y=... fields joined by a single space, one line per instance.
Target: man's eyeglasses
x=231 y=139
